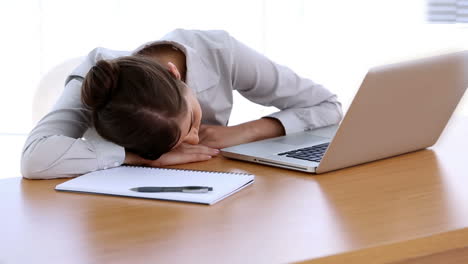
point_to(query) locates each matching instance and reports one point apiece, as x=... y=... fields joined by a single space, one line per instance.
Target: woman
x=166 y=103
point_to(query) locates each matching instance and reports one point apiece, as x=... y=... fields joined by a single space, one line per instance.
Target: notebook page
x=119 y=181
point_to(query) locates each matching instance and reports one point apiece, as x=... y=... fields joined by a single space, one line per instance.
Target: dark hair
x=135 y=103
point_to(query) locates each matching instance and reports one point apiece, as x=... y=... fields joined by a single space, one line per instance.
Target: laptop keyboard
x=314 y=153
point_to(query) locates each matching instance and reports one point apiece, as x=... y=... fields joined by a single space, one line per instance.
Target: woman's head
x=137 y=103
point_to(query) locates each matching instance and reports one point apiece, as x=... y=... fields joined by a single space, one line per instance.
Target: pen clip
x=196 y=189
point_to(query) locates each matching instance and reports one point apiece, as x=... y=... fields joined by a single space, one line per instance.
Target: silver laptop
x=399 y=108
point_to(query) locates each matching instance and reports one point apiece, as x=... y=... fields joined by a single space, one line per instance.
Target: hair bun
x=100 y=84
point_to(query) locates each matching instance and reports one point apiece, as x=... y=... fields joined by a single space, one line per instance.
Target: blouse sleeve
x=62 y=144
x=303 y=103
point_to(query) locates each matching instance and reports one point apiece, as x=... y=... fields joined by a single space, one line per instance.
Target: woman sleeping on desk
x=166 y=103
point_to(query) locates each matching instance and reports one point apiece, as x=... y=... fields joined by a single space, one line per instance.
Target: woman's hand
x=221 y=136
x=184 y=153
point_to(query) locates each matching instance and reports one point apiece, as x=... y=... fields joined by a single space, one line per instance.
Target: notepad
x=118 y=181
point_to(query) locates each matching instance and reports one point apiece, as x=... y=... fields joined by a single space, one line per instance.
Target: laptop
x=399 y=108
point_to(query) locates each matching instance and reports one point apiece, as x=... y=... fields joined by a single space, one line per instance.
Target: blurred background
x=331 y=42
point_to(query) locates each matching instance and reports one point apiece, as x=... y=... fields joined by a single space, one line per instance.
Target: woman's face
x=190 y=124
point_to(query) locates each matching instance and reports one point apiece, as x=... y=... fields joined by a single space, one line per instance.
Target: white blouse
x=63 y=143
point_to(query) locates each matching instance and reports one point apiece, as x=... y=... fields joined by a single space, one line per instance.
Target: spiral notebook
x=118 y=181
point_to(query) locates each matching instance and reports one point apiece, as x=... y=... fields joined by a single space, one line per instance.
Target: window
x=447 y=11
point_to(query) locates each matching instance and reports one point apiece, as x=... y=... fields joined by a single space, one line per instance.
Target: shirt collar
x=90 y=60
x=200 y=76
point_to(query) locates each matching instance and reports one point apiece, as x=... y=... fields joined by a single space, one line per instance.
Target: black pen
x=184 y=189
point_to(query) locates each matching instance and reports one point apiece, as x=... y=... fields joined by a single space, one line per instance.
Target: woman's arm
x=184 y=153
x=303 y=104
x=222 y=136
x=62 y=145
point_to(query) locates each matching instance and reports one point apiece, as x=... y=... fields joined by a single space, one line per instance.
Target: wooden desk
x=387 y=211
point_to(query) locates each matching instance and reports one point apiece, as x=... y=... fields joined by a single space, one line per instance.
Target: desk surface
x=284 y=216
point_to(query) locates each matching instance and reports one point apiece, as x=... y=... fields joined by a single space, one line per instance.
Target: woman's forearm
x=221 y=136
x=262 y=129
